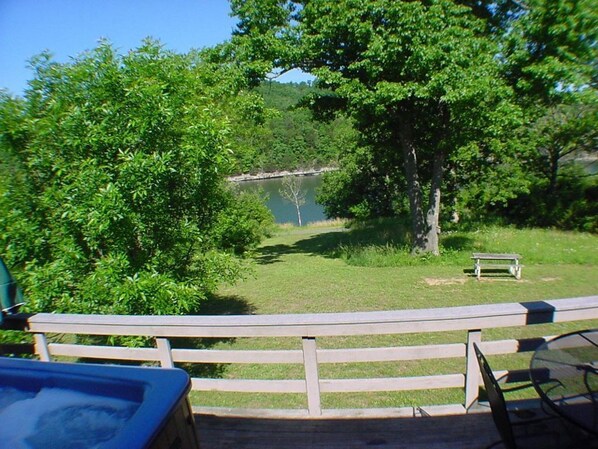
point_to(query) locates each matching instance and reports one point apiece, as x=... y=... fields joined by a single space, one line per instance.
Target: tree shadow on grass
x=225 y=305
x=213 y=305
x=326 y=245
x=322 y=244
x=387 y=234
x=332 y=243
x=458 y=242
x=266 y=255
x=382 y=232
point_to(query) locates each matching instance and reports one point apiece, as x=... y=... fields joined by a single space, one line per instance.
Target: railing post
x=472 y=373
x=41 y=348
x=164 y=353
x=312 y=378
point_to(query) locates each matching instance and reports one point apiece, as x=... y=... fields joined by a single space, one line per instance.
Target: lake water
x=283 y=210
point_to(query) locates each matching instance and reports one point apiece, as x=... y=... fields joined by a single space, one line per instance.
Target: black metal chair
x=540 y=429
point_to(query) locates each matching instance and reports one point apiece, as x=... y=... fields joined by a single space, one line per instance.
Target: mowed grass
x=328 y=268
x=315 y=270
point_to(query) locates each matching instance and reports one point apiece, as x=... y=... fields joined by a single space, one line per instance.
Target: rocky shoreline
x=279 y=174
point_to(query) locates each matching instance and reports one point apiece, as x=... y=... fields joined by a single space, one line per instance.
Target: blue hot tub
x=82 y=406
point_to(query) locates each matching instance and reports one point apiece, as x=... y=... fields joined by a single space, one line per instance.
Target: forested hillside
x=290 y=138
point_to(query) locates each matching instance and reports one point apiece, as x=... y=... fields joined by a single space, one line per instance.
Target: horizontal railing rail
x=309 y=328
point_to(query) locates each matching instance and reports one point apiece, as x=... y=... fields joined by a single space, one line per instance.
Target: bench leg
x=517 y=272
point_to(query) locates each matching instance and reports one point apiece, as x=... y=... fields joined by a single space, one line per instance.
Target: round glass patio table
x=564 y=371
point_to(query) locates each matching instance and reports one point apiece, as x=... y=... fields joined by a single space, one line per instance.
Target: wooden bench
x=493 y=261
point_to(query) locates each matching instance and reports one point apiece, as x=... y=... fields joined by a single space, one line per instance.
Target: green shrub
x=572 y=206
x=243 y=223
x=111 y=180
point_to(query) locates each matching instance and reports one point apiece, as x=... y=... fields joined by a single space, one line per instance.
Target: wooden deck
x=308 y=330
x=316 y=426
x=467 y=431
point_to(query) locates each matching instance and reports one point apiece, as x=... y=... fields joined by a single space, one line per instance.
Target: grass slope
x=327 y=270
x=331 y=269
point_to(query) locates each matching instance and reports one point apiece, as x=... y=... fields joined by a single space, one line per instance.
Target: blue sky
x=69 y=27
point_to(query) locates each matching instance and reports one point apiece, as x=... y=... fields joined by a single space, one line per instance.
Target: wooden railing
x=309 y=328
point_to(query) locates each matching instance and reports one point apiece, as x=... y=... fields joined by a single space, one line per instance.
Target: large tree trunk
x=554 y=156
x=414 y=189
x=424 y=225
x=433 y=215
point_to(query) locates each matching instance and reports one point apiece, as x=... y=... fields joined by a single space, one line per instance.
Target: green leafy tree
x=565 y=133
x=420 y=79
x=564 y=188
x=548 y=55
x=549 y=48
x=112 y=181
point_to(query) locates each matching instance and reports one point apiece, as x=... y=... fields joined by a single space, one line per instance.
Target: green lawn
x=304 y=271
x=331 y=269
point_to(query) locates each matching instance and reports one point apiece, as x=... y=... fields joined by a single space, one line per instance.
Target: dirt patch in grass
x=449 y=281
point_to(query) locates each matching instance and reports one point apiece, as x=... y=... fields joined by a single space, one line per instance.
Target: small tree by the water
x=293 y=192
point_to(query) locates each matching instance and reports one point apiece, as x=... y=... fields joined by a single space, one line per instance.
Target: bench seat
x=509 y=261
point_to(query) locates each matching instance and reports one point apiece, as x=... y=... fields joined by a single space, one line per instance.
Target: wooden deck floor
x=472 y=431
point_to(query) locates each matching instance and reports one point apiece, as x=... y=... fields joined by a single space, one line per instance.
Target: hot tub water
x=57 y=418
x=47 y=405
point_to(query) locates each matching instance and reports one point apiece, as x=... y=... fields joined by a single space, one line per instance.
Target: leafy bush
x=360 y=189
x=111 y=182
x=573 y=205
x=243 y=223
